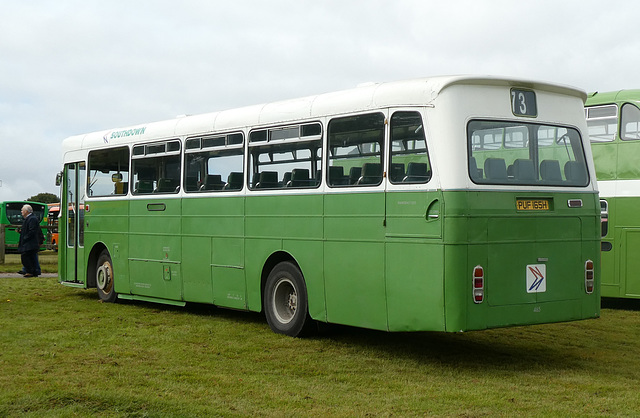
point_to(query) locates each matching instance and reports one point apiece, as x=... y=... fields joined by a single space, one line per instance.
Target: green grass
x=63 y=353
x=48 y=262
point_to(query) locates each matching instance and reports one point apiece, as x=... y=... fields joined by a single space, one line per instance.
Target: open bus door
x=71 y=225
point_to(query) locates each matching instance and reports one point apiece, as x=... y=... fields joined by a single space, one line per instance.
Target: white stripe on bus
x=619 y=188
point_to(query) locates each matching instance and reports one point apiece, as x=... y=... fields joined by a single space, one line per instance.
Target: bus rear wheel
x=104 y=278
x=285 y=301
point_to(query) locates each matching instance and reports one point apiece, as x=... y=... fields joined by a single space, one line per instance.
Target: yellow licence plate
x=532 y=204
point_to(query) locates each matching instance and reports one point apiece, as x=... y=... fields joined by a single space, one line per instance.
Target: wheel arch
x=269 y=264
x=92 y=262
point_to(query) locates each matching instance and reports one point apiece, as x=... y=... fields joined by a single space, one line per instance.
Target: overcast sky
x=72 y=67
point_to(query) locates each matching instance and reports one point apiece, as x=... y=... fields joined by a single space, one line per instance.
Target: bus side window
x=212 y=159
x=408 y=149
x=286 y=157
x=109 y=172
x=630 y=124
x=156 y=167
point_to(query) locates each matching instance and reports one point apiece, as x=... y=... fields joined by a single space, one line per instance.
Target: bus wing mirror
x=116 y=178
x=59 y=179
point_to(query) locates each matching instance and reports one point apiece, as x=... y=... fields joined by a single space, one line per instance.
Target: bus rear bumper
x=534 y=313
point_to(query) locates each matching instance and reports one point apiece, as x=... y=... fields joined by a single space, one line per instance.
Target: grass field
x=63 y=353
x=48 y=262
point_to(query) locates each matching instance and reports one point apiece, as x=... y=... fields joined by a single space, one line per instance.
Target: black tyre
x=104 y=278
x=285 y=301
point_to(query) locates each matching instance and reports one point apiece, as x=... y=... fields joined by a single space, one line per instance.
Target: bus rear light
x=478 y=284
x=588 y=276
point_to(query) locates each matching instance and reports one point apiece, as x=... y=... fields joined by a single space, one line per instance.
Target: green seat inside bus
x=286 y=179
x=495 y=169
x=213 y=182
x=191 y=183
x=417 y=173
x=397 y=172
x=475 y=172
x=550 y=171
x=575 y=172
x=234 y=181
x=267 y=180
x=166 y=186
x=354 y=174
x=144 y=186
x=300 y=178
x=371 y=174
x=523 y=170
x=336 y=176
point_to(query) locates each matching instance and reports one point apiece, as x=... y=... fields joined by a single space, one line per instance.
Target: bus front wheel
x=285 y=301
x=104 y=278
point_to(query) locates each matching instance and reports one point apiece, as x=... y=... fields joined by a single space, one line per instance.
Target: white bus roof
x=416 y=92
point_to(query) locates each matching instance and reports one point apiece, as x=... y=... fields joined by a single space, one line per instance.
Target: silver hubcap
x=284 y=301
x=104 y=276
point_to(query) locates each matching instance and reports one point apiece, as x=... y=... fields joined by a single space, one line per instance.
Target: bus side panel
x=227 y=272
x=628 y=157
x=196 y=270
x=605 y=156
x=108 y=222
x=213 y=251
x=624 y=226
x=414 y=258
x=155 y=248
x=272 y=221
x=457 y=287
x=415 y=293
x=630 y=262
x=354 y=259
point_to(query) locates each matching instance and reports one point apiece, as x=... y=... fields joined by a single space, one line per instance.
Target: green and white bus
x=447 y=203
x=11 y=219
x=613 y=120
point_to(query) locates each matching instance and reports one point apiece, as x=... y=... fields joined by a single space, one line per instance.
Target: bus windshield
x=525 y=154
x=14 y=212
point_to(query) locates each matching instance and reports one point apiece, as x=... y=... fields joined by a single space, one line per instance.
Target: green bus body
x=613 y=119
x=11 y=217
x=388 y=256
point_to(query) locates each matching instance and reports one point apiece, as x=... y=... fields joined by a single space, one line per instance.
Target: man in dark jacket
x=29 y=242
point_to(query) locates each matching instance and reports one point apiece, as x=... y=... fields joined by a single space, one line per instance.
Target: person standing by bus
x=29 y=244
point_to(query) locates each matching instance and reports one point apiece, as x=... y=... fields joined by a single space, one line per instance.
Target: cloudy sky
x=69 y=67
